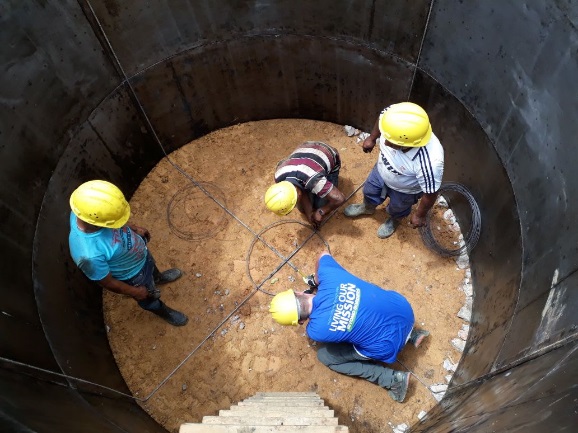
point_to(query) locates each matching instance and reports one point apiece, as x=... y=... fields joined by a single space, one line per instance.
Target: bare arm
x=418 y=218
x=369 y=142
x=139 y=293
x=335 y=198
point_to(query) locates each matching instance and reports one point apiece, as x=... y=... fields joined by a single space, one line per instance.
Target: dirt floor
x=231 y=348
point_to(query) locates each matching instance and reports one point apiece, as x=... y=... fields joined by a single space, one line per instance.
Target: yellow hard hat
x=405 y=124
x=284 y=308
x=281 y=197
x=100 y=203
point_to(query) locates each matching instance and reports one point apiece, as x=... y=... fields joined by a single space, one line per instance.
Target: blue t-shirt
x=347 y=309
x=120 y=252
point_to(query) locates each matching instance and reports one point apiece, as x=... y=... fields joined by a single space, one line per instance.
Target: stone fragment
x=438 y=390
x=463 y=261
x=350 y=130
x=459 y=344
x=468 y=289
x=438 y=387
x=449 y=366
x=465 y=313
x=442 y=201
x=362 y=136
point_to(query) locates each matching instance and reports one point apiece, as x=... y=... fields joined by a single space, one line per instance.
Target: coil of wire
x=470 y=239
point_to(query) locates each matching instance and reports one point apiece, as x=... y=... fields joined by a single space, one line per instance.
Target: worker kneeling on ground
x=114 y=253
x=409 y=167
x=308 y=179
x=361 y=324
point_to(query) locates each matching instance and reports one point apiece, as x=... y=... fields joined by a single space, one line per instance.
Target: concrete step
x=286 y=394
x=292 y=399
x=270 y=413
x=269 y=420
x=276 y=411
x=208 y=428
x=282 y=402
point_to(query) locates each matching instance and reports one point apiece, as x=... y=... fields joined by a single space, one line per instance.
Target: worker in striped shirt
x=409 y=168
x=308 y=179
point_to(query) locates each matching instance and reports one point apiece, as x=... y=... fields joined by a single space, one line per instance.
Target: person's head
x=291 y=308
x=405 y=125
x=100 y=203
x=281 y=198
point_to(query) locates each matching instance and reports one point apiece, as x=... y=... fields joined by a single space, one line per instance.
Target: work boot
x=417 y=336
x=174 y=317
x=387 y=228
x=168 y=276
x=398 y=388
x=354 y=210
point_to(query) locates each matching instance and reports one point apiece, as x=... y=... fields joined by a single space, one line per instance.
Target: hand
x=417 y=221
x=368 y=145
x=317 y=218
x=142 y=293
x=313 y=219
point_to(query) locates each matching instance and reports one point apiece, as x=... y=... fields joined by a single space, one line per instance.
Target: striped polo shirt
x=308 y=167
x=420 y=169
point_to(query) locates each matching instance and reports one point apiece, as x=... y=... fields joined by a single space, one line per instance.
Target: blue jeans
x=146 y=277
x=375 y=191
x=344 y=359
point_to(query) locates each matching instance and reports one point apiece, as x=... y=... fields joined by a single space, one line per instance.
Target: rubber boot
x=417 y=336
x=354 y=210
x=387 y=228
x=174 y=317
x=399 y=386
x=167 y=276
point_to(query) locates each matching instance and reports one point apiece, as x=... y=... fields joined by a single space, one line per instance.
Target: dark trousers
x=342 y=358
x=146 y=277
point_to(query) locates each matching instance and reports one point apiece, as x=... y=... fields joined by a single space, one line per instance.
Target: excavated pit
x=106 y=89
x=232 y=348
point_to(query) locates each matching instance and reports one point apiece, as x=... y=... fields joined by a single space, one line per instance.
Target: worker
x=361 y=324
x=114 y=253
x=409 y=168
x=308 y=179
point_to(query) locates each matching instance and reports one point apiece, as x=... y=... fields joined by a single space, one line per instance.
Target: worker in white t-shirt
x=409 y=168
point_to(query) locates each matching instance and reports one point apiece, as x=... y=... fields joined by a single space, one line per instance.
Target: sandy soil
x=206 y=222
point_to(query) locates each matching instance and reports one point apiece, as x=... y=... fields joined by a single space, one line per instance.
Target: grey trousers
x=342 y=358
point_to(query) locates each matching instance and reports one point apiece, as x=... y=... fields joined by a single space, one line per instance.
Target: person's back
x=360 y=325
x=351 y=310
x=118 y=251
x=308 y=179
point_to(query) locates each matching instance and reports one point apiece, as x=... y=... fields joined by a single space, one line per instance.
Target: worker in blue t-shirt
x=113 y=253
x=360 y=323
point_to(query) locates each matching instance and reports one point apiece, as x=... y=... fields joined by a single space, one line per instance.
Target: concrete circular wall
x=103 y=89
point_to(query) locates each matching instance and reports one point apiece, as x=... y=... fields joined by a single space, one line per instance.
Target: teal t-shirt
x=120 y=252
x=347 y=309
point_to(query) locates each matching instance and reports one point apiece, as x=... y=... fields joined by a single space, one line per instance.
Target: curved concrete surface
x=90 y=88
